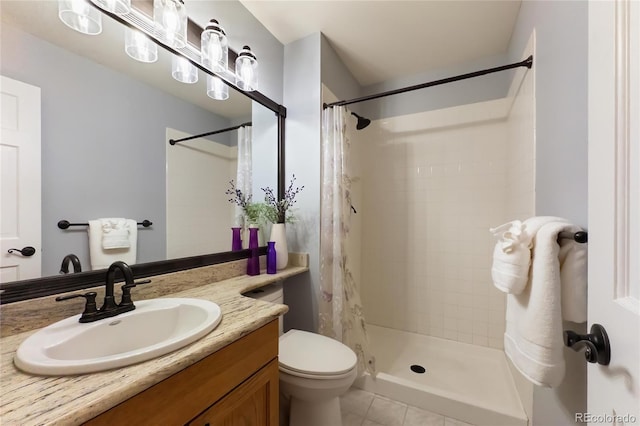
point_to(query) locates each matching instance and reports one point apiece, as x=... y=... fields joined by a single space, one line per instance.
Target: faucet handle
x=132 y=285
x=126 y=293
x=90 y=307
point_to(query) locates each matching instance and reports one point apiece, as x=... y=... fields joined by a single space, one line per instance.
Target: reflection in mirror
x=199 y=172
x=106 y=121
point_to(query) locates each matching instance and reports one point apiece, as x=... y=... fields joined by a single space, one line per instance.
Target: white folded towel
x=533 y=336
x=102 y=257
x=512 y=253
x=115 y=233
x=573 y=277
x=511 y=257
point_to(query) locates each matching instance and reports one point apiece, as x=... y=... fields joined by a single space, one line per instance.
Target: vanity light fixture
x=119 y=7
x=217 y=89
x=81 y=16
x=214 y=47
x=183 y=70
x=247 y=70
x=168 y=28
x=170 y=22
x=140 y=47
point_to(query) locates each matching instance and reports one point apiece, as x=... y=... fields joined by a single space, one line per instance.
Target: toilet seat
x=314 y=356
x=314 y=376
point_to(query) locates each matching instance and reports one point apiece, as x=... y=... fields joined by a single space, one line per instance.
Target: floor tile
x=368 y=422
x=356 y=401
x=386 y=412
x=419 y=417
x=351 y=419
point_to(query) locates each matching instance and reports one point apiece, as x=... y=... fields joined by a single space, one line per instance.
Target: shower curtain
x=339 y=307
x=243 y=174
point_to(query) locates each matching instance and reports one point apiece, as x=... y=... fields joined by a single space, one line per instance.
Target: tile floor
x=361 y=408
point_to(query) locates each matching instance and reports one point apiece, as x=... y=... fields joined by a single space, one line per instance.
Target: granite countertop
x=27 y=399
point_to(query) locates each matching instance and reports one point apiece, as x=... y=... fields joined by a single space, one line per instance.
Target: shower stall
x=426 y=188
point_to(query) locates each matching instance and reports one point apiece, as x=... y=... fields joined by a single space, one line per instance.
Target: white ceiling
x=383 y=40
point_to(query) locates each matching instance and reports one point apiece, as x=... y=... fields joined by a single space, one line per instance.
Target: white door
x=614 y=213
x=20 y=185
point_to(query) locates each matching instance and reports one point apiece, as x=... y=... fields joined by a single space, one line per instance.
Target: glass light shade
x=247 y=70
x=214 y=47
x=81 y=16
x=183 y=70
x=217 y=89
x=170 y=22
x=139 y=46
x=119 y=7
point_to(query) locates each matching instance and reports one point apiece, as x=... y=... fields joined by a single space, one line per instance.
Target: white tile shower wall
x=432 y=185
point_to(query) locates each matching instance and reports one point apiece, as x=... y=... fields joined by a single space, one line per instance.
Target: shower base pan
x=467 y=382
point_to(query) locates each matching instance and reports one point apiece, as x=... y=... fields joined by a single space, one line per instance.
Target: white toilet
x=314 y=370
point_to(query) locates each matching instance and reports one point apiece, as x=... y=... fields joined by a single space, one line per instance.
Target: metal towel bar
x=64 y=224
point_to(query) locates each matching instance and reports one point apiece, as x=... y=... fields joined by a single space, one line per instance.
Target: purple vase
x=236 y=242
x=271 y=257
x=253 y=263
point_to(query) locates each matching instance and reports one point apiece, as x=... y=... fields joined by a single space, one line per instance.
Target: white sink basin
x=156 y=327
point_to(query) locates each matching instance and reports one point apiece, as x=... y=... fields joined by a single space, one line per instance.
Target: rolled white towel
x=115 y=234
x=511 y=257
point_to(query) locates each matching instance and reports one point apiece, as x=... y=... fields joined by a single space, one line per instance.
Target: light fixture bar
x=138 y=20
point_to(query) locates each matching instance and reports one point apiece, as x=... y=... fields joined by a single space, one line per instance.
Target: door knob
x=26 y=251
x=596 y=344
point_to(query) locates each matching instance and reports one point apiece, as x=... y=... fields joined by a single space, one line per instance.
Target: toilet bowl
x=314 y=371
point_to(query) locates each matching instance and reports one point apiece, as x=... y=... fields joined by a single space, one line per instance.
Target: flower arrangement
x=254 y=212
x=272 y=209
x=278 y=209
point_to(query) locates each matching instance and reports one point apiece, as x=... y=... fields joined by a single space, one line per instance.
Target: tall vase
x=279 y=236
x=253 y=263
x=236 y=242
x=272 y=258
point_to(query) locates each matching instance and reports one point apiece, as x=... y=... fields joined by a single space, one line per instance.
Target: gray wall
x=561 y=103
x=561 y=154
x=103 y=149
x=492 y=86
x=302 y=97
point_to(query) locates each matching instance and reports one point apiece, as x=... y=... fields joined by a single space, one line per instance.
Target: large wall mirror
x=106 y=120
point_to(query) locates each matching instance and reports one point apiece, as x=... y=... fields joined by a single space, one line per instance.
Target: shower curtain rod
x=215 y=132
x=526 y=63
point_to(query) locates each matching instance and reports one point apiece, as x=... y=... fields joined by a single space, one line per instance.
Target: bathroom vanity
x=228 y=376
x=236 y=385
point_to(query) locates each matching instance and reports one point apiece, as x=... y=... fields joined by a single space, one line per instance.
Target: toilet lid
x=314 y=354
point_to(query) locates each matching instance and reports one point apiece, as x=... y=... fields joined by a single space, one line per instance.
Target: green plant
x=280 y=210
x=257 y=212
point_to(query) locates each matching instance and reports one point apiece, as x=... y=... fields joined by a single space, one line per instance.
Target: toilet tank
x=269 y=293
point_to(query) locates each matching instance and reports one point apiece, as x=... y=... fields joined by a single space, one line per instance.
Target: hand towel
x=101 y=258
x=512 y=253
x=533 y=337
x=115 y=233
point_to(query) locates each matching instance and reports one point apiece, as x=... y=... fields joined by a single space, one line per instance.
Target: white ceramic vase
x=279 y=235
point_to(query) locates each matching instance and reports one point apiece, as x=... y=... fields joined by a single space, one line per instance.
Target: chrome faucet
x=109 y=307
x=73 y=259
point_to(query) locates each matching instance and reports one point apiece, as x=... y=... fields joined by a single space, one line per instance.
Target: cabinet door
x=253 y=403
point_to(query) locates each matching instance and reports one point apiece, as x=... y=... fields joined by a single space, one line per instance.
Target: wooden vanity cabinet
x=237 y=385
